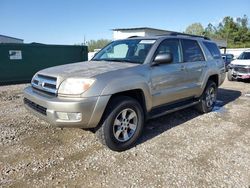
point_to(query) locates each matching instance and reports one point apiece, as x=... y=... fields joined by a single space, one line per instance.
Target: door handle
x=183 y=68
x=205 y=65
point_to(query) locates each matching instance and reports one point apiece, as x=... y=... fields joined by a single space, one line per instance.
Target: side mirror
x=163 y=59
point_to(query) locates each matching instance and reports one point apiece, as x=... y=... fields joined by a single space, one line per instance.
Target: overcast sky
x=67 y=22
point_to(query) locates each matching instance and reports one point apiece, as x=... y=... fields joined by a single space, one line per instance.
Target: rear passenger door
x=195 y=65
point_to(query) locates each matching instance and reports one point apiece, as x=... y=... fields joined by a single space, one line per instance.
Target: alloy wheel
x=125 y=125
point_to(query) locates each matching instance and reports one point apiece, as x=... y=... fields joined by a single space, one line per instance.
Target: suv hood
x=84 y=69
x=241 y=62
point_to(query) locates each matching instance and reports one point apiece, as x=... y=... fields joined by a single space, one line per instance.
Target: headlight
x=75 y=86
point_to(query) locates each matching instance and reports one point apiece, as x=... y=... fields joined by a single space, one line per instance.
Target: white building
x=7 y=39
x=123 y=33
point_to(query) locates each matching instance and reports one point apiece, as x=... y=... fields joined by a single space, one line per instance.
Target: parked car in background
x=240 y=68
x=228 y=58
x=128 y=82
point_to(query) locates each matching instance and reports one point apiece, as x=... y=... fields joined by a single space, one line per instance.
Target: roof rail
x=184 y=34
x=133 y=36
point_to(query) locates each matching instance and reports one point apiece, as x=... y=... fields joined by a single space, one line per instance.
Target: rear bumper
x=46 y=108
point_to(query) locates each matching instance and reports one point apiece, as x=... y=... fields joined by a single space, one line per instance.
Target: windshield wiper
x=96 y=60
x=107 y=60
x=117 y=60
x=130 y=61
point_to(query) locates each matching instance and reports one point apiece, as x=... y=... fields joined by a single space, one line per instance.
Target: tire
x=208 y=98
x=229 y=75
x=122 y=124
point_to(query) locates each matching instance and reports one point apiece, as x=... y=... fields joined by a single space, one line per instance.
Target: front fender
x=130 y=83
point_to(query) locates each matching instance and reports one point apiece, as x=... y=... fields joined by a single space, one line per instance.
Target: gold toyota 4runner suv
x=128 y=82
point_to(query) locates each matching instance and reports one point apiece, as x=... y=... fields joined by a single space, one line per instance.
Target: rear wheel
x=208 y=98
x=122 y=123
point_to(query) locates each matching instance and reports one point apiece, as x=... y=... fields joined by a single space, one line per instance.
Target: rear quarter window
x=213 y=49
x=191 y=51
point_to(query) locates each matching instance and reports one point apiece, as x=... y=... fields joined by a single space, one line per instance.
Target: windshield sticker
x=147 y=41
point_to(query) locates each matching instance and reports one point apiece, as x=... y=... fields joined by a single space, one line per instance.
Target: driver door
x=168 y=80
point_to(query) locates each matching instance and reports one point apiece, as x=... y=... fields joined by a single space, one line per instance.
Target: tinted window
x=191 y=51
x=244 y=55
x=170 y=46
x=213 y=49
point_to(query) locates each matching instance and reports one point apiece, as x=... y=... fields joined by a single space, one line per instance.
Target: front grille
x=35 y=106
x=242 y=70
x=45 y=83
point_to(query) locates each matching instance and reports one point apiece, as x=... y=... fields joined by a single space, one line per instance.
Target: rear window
x=191 y=51
x=213 y=49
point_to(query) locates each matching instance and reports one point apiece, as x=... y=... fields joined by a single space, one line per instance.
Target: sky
x=72 y=21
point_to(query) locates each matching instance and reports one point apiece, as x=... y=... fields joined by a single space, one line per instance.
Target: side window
x=213 y=49
x=170 y=46
x=191 y=51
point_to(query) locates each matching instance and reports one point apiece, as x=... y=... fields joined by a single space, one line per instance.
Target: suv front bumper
x=240 y=71
x=47 y=107
x=240 y=75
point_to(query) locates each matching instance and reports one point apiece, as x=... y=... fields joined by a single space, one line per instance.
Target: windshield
x=244 y=55
x=130 y=50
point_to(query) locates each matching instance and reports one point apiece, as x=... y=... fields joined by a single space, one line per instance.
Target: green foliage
x=97 y=44
x=235 y=31
x=195 y=29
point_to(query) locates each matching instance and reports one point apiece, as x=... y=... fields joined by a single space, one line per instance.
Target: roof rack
x=134 y=36
x=184 y=34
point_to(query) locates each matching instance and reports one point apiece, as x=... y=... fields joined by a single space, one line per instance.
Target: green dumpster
x=19 y=62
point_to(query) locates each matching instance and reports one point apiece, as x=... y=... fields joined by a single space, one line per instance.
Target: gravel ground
x=182 y=149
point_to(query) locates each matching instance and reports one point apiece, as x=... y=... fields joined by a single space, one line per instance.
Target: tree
x=210 y=31
x=195 y=29
x=97 y=44
x=235 y=31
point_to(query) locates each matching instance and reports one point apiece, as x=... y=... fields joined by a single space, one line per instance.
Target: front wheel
x=208 y=98
x=122 y=123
